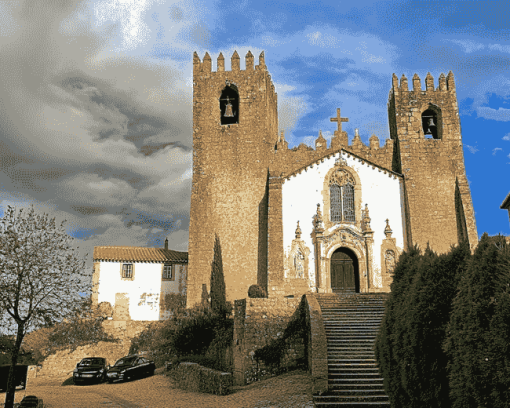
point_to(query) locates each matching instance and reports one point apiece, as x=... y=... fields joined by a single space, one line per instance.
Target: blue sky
x=96 y=105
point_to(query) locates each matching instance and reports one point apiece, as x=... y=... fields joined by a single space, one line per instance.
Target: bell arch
x=229 y=105
x=431 y=122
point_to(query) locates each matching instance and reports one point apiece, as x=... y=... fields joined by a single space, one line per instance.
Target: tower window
x=429 y=124
x=229 y=105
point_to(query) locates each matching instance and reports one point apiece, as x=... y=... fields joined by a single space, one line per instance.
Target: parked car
x=30 y=401
x=90 y=369
x=130 y=367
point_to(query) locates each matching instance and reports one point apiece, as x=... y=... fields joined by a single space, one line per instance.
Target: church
x=325 y=219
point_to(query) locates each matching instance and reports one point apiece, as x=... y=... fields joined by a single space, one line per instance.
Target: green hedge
x=445 y=315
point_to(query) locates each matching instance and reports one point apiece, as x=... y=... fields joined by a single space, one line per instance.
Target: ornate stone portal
x=347 y=236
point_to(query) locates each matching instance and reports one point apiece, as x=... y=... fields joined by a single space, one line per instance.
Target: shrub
x=84 y=327
x=256 y=291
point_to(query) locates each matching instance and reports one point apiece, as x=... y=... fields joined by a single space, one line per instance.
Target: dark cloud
x=87 y=131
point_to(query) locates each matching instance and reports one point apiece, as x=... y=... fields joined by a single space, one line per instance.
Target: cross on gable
x=339 y=120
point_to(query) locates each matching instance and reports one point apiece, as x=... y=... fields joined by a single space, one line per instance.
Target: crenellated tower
x=235 y=131
x=425 y=126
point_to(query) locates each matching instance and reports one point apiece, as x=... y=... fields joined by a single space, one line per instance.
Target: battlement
x=289 y=161
x=445 y=84
x=205 y=66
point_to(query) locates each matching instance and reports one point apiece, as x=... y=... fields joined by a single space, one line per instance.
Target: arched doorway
x=344 y=271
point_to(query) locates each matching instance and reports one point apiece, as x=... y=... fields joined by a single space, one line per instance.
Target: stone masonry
x=239 y=170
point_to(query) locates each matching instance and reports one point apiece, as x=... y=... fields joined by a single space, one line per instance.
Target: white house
x=135 y=280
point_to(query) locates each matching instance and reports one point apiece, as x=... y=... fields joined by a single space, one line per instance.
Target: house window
x=342 y=202
x=168 y=272
x=127 y=271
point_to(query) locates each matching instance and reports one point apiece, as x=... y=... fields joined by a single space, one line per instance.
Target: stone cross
x=339 y=120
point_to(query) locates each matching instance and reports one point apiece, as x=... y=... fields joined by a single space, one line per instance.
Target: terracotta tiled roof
x=137 y=254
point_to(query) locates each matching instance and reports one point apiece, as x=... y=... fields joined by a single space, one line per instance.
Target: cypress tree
x=471 y=344
x=500 y=328
x=430 y=296
x=386 y=352
x=218 y=297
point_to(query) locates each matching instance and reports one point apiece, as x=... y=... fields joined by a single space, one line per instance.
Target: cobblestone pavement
x=289 y=390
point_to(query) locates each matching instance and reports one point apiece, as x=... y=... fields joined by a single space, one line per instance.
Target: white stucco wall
x=382 y=192
x=144 y=291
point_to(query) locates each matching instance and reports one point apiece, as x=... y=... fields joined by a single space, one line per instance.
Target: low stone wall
x=194 y=377
x=256 y=323
x=64 y=362
x=317 y=347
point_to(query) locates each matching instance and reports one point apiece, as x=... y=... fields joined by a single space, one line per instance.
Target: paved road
x=290 y=390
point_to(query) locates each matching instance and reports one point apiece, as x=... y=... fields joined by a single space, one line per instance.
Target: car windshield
x=125 y=361
x=91 y=361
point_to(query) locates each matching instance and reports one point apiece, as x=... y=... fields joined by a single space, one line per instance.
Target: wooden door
x=342 y=272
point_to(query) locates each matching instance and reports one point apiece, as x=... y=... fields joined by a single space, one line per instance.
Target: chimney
x=166 y=243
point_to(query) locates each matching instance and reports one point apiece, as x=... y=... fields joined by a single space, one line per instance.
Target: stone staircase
x=351 y=322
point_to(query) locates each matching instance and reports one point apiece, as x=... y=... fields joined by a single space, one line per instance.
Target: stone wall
x=438 y=201
x=63 y=362
x=256 y=323
x=317 y=346
x=230 y=174
x=194 y=377
x=124 y=330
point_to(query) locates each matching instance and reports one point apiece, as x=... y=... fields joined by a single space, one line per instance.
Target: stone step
x=352 y=398
x=337 y=382
x=350 y=329
x=351 y=323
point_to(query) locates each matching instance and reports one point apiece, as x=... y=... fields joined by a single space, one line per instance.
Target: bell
x=431 y=122
x=228 y=111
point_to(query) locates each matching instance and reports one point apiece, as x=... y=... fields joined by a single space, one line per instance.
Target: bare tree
x=41 y=276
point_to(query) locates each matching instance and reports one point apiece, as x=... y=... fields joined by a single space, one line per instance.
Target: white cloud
x=506 y=137
x=469 y=46
x=129 y=14
x=472 y=149
x=496 y=150
x=500 y=114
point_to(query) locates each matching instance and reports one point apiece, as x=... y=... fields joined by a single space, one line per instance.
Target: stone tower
x=235 y=130
x=425 y=125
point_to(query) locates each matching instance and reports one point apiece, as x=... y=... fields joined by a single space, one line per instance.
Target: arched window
x=341 y=196
x=229 y=105
x=429 y=124
x=348 y=198
x=336 y=203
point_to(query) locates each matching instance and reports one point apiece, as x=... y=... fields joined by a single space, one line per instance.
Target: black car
x=130 y=367
x=90 y=369
x=30 y=401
